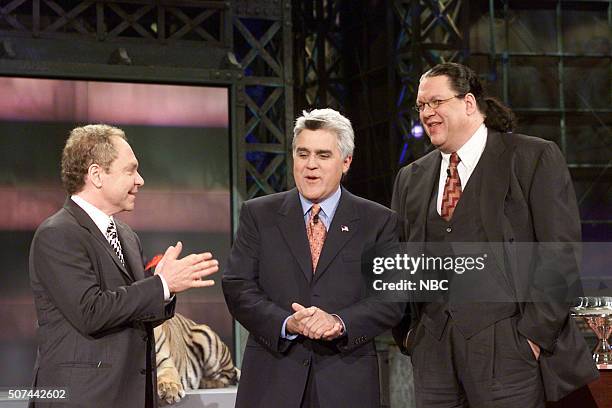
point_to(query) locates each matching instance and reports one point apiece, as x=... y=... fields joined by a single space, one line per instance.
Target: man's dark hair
x=463 y=80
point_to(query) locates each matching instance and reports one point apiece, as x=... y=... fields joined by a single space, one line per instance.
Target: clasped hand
x=313 y=323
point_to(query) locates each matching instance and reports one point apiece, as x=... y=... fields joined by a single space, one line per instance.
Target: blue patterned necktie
x=113 y=240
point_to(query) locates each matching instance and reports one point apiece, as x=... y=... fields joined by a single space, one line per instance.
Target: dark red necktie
x=452 y=188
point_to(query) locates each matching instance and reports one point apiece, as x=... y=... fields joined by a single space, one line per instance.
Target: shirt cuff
x=343 y=332
x=284 y=334
x=166 y=289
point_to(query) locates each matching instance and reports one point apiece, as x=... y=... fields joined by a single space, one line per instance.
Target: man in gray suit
x=96 y=308
x=485 y=184
x=294 y=281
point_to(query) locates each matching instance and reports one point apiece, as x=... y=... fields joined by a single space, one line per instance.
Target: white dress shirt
x=102 y=221
x=469 y=154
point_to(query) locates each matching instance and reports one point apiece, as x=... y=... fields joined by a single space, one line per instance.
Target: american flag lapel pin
x=344 y=228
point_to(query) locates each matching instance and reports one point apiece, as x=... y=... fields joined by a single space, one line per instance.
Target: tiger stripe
x=190 y=356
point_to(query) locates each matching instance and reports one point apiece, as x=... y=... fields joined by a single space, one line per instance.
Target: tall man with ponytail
x=485 y=184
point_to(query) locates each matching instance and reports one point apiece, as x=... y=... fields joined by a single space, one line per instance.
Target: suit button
x=449 y=229
x=143 y=371
x=305 y=363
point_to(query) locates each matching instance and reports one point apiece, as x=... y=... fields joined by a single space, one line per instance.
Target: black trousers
x=492 y=369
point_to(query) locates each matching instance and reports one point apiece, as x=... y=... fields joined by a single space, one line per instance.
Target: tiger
x=190 y=356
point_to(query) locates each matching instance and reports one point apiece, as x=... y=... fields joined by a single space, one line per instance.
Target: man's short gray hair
x=331 y=120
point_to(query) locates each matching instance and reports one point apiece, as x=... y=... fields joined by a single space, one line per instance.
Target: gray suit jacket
x=270 y=267
x=95 y=318
x=526 y=196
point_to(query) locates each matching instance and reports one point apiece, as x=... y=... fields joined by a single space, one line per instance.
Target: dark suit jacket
x=95 y=334
x=270 y=267
x=526 y=195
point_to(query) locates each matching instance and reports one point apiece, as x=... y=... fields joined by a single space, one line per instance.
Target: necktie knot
x=314 y=212
x=454 y=160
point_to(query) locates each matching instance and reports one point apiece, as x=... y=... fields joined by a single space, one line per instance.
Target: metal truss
x=318 y=50
x=263 y=46
x=163 y=21
x=176 y=41
x=430 y=32
x=587 y=152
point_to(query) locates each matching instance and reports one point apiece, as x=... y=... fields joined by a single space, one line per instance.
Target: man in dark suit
x=96 y=308
x=485 y=184
x=294 y=281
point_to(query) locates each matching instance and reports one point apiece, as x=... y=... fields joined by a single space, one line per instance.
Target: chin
x=437 y=140
x=128 y=207
x=310 y=196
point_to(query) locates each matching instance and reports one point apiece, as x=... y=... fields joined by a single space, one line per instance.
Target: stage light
x=417 y=131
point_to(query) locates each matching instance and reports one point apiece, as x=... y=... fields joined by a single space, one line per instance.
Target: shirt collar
x=328 y=206
x=98 y=216
x=471 y=151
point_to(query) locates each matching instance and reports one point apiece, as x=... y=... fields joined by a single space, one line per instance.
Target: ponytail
x=498 y=116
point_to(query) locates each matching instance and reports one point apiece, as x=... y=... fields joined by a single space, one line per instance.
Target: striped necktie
x=113 y=240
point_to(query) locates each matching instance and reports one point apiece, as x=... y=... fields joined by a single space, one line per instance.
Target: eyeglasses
x=435 y=104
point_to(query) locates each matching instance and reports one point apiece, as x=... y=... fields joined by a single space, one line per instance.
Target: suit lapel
x=344 y=226
x=293 y=229
x=426 y=176
x=496 y=166
x=86 y=222
x=131 y=252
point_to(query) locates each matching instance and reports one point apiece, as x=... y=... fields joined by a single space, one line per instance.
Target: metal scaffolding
x=318 y=48
x=560 y=51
